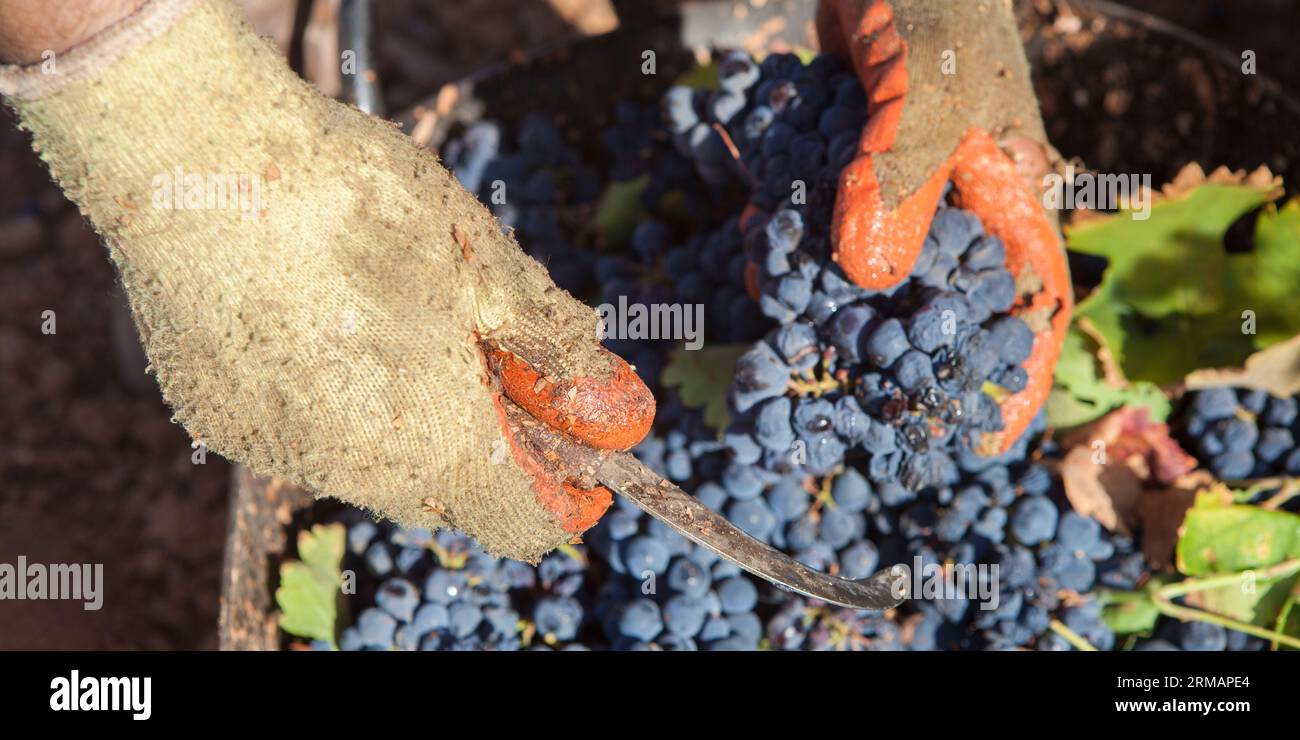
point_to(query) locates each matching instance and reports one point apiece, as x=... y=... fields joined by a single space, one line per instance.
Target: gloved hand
x=351 y=319
x=950 y=99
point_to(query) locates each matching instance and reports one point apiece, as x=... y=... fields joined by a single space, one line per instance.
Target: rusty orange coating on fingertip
x=611 y=414
x=874 y=246
x=575 y=509
x=578 y=509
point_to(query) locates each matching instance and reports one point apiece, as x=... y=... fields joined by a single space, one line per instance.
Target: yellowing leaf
x=1222 y=538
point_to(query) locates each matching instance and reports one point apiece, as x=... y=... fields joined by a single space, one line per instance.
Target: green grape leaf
x=619 y=210
x=701 y=77
x=308 y=595
x=1264 y=281
x=1128 y=612
x=1221 y=537
x=1172 y=261
x=701 y=378
x=1173 y=300
x=1065 y=411
x=1083 y=394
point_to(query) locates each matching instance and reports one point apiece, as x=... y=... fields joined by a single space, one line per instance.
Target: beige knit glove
x=319 y=298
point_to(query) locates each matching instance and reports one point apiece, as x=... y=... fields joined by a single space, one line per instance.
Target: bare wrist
x=29 y=29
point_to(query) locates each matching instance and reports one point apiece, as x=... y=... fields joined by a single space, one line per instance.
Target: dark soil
x=91 y=473
x=1123 y=98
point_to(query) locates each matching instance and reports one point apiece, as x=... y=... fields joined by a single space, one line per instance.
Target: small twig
x=1287 y=488
x=1283 y=615
x=735 y=152
x=1072 y=637
x=1163 y=599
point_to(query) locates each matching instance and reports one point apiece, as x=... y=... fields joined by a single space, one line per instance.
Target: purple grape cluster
x=441 y=591
x=664 y=593
x=1197 y=636
x=901 y=378
x=532 y=189
x=900 y=375
x=640 y=145
x=1240 y=433
x=856 y=414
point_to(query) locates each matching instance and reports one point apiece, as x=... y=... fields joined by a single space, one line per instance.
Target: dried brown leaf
x=1161 y=515
x=1275 y=370
x=1110 y=463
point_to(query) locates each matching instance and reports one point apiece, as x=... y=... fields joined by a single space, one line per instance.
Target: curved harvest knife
x=624 y=474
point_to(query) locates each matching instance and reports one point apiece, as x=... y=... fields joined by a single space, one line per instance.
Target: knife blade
x=624 y=474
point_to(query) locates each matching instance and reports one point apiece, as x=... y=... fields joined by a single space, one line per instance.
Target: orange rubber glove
x=949 y=98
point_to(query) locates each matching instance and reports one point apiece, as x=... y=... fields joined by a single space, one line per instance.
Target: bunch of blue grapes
x=662 y=592
x=710 y=270
x=1240 y=433
x=665 y=593
x=1050 y=578
x=703 y=271
x=901 y=376
x=707 y=270
x=427 y=591
x=1008 y=513
x=770 y=123
x=792 y=128
x=639 y=146
x=532 y=188
x=782 y=131
x=905 y=379
x=1198 y=636
x=860 y=420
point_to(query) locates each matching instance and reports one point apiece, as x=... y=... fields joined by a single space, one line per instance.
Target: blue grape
x=887 y=343
x=684 y=615
x=558 y=618
x=641 y=619
x=1034 y=520
x=399 y=598
x=376 y=629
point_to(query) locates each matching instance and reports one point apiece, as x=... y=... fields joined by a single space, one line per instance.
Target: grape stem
x=1283 y=614
x=1286 y=487
x=814 y=386
x=1072 y=637
x=1163 y=599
